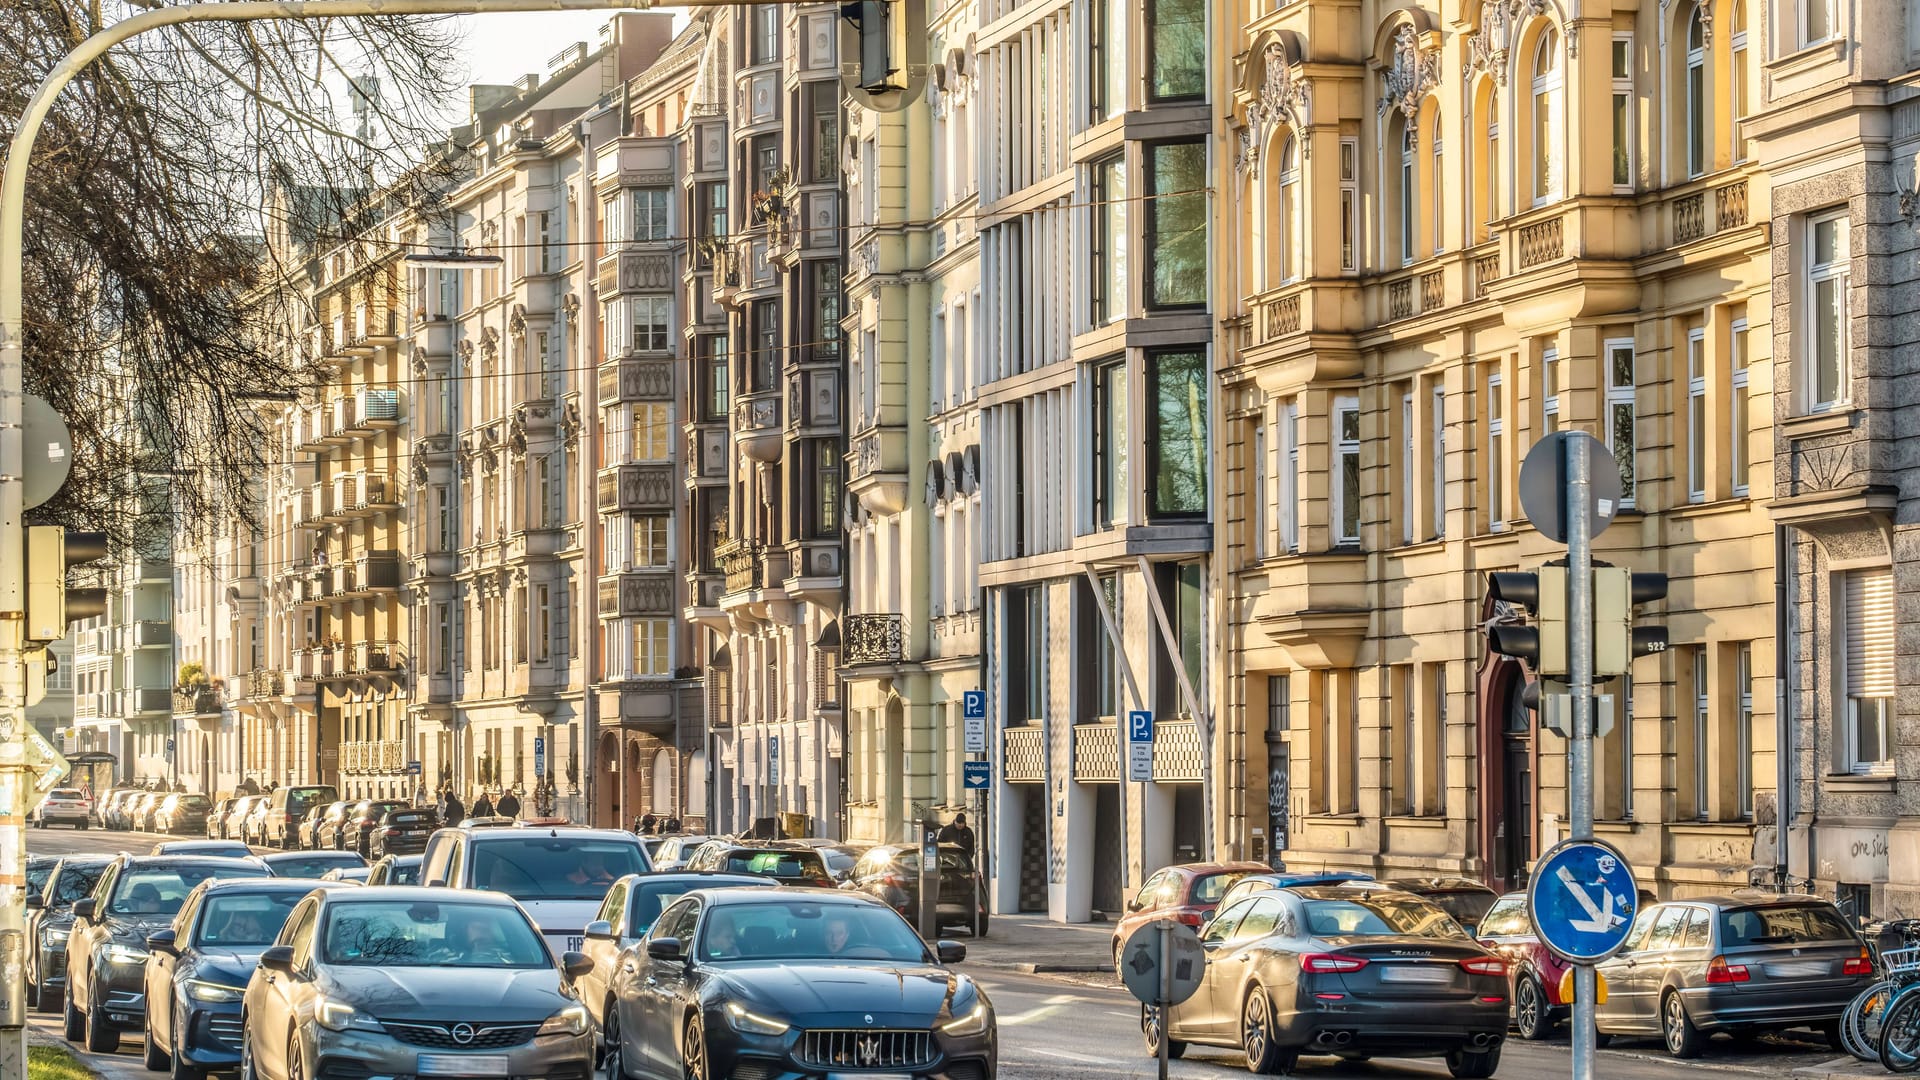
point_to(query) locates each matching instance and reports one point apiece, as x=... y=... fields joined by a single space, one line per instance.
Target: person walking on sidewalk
x=509 y=804
x=958 y=832
x=452 y=812
x=483 y=806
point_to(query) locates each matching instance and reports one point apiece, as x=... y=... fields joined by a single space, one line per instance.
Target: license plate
x=1800 y=969
x=462 y=1065
x=869 y=1076
x=1407 y=974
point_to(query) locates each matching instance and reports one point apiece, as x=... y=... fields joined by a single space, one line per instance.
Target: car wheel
x=1683 y=1039
x=180 y=1070
x=615 y=1062
x=151 y=1055
x=102 y=1038
x=49 y=1001
x=1530 y=1014
x=1256 y=1034
x=296 y=1069
x=1602 y=1040
x=1151 y=1028
x=1831 y=1029
x=1478 y=1066
x=33 y=995
x=693 y=1050
x=74 y=1022
x=247 y=1071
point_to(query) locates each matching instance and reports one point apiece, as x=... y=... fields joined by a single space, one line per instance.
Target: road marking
x=1070 y=1056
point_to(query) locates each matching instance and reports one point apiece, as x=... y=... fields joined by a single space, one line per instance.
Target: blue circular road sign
x=1582 y=900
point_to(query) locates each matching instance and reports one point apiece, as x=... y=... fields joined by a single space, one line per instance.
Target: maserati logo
x=462 y=1033
x=869 y=1051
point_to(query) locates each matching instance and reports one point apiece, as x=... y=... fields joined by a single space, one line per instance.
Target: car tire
x=1602 y=1040
x=1682 y=1038
x=180 y=1070
x=1150 y=1031
x=73 y=1022
x=151 y=1056
x=1475 y=1066
x=33 y=996
x=102 y=1036
x=1831 y=1029
x=247 y=1069
x=1532 y=1017
x=693 y=1051
x=615 y=1061
x=1256 y=1034
x=296 y=1068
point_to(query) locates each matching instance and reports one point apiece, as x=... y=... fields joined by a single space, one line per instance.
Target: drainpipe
x=1783 y=650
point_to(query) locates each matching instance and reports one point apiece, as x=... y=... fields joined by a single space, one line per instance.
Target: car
x=396 y=870
x=232 y=825
x=321 y=827
x=65 y=806
x=840 y=857
x=107 y=951
x=891 y=873
x=1187 y=893
x=624 y=918
x=40 y=870
x=559 y=874
x=412 y=981
x=1533 y=970
x=787 y=863
x=1466 y=899
x=50 y=920
x=200 y=967
x=403 y=831
x=182 y=813
x=1284 y=879
x=226 y=849
x=277 y=821
x=356 y=828
x=735 y=982
x=113 y=808
x=1745 y=963
x=217 y=818
x=140 y=810
x=307 y=864
x=351 y=875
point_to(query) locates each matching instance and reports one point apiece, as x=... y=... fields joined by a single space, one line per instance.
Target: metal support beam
x=1203 y=724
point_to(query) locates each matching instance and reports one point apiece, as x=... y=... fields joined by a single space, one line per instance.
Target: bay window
x=649 y=219
x=1176 y=225
x=1177 y=438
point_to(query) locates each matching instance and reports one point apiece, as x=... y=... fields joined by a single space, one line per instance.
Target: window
x=1816 y=21
x=1438 y=185
x=1623 y=112
x=1546 y=117
x=1290 y=476
x=1257 y=504
x=713 y=208
x=824 y=278
x=1869 y=659
x=1550 y=389
x=1103 y=674
x=1110 y=445
x=1439 y=477
x=1288 y=216
x=652 y=322
x=1702 y=720
x=652 y=431
x=651 y=647
x=1828 y=279
x=823 y=131
x=1737 y=425
x=1109 y=284
x=764 y=45
x=1741 y=95
x=1405 y=479
x=1743 y=733
x=1345 y=480
x=1026 y=684
x=443 y=517
x=1620 y=414
x=1177 y=48
x=765 y=344
x=650 y=214
x=1349 y=202
x=1696 y=415
x=1696 y=94
x=764 y=160
x=1496 y=453
x=1177 y=224
x=826 y=493
x=1407 y=194
x=442 y=638
x=542 y=624
x=1178 y=438
x=1108 y=49
x=717 y=389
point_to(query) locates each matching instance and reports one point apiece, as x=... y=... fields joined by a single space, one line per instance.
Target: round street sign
x=1543 y=483
x=1141 y=963
x=1582 y=900
x=47 y=448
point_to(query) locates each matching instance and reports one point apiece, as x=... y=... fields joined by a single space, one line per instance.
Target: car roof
x=836 y=897
x=147 y=862
x=1346 y=890
x=265 y=884
x=1284 y=879
x=1439 y=884
x=420 y=894
x=273 y=857
x=1753 y=898
x=699 y=876
x=402 y=860
x=73 y=860
x=493 y=833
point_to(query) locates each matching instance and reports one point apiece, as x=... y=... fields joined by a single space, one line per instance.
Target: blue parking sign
x=973 y=705
x=1140 y=726
x=977 y=774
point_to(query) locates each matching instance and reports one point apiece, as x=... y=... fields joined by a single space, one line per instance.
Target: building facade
x=220 y=675
x=123 y=667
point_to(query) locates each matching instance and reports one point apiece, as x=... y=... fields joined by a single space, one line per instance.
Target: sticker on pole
x=1582 y=900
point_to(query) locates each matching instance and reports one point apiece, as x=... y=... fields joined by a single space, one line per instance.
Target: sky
x=503 y=47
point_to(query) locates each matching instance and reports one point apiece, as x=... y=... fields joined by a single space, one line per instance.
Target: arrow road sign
x=977 y=774
x=1582 y=900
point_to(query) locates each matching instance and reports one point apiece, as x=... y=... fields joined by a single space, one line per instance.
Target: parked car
x=107 y=951
x=321 y=827
x=199 y=970
x=1466 y=899
x=279 y=818
x=232 y=824
x=560 y=875
x=113 y=807
x=65 y=806
x=50 y=920
x=396 y=870
x=404 y=831
x=1282 y=879
x=350 y=875
x=387 y=978
x=1187 y=893
x=839 y=856
x=224 y=849
x=787 y=863
x=1350 y=971
x=217 y=818
x=182 y=813
x=356 y=828
x=1744 y=963
x=140 y=811
x=891 y=874
x=307 y=864
x=1533 y=970
x=735 y=982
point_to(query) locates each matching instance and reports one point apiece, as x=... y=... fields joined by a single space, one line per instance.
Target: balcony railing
x=374 y=657
x=1023 y=754
x=636 y=380
x=374 y=756
x=637 y=489
x=1176 y=751
x=872 y=639
x=1096 y=752
x=637 y=594
x=151 y=634
x=265 y=683
x=375 y=410
x=196 y=703
x=1542 y=242
x=147 y=700
x=1486 y=271
x=744 y=562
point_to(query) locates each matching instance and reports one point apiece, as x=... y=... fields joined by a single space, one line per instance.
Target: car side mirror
x=35 y=902
x=161 y=941
x=599 y=930
x=666 y=948
x=279 y=958
x=575 y=964
x=1207 y=917
x=1472 y=930
x=83 y=909
x=950 y=952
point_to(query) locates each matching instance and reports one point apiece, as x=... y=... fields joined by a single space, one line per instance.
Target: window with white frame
x=1622 y=70
x=1743 y=732
x=652 y=431
x=652 y=322
x=1702 y=721
x=1737 y=460
x=1290 y=476
x=1496 y=453
x=1697 y=414
x=1550 y=389
x=1815 y=21
x=1438 y=480
x=1438 y=210
x=1349 y=203
x=1546 y=117
x=652 y=648
x=1289 y=210
x=542 y=623
x=1257 y=510
x=1828 y=279
x=1742 y=96
x=1346 y=470
x=1697 y=101
x=650 y=214
x=1407 y=505
x=1409 y=192
x=1869 y=674
x=650 y=532
x=1620 y=433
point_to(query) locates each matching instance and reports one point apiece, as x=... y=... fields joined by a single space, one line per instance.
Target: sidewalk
x=1032 y=944
x=1841 y=1068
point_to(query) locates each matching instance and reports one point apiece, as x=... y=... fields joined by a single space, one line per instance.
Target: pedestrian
x=645 y=824
x=248 y=787
x=959 y=833
x=672 y=826
x=509 y=804
x=483 y=806
x=451 y=810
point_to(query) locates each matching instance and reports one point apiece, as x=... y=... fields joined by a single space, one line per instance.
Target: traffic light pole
x=1579 y=501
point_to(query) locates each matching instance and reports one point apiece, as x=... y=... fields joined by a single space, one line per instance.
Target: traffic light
x=51 y=550
x=1616 y=641
x=1543 y=594
x=883 y=47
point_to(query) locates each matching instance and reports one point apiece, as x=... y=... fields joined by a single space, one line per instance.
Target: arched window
x=1483 y=154
x=1546 y=117
x=1287 y=219
x=1696 y=94
x=1741 y=96
x=1409 y=190
x=1436 y=183
x=662 y=801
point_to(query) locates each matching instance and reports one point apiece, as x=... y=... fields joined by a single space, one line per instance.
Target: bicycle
x=1860 y=1025
x=1898 y=1040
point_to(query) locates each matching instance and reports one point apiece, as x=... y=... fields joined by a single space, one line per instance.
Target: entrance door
x=1516 y=845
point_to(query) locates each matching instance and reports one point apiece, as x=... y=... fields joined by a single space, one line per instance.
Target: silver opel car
x=410 y=981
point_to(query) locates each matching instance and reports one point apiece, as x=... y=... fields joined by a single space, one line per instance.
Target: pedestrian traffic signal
x=1616 y=640
x=51 y=605
x=883 y=52
x=1542 y=642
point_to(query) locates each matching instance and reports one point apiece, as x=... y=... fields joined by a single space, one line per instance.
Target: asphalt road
x=1055 y=1030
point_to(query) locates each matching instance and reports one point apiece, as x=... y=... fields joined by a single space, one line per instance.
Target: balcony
x=150 y=634
x=376 y=572
x=340 y=425
x=744 y=562
x=374 y=411
x=1096 y=753
x=374 y=658
x=637 y=594
x=196 y=704
x=1698 y=214
x=872 y=639
x=756 y=426
x=636 y=380
x=357 y=495
x=725 y=257
x=312 y=508
x=374 y=325
x=636 y=489
x=1176 y=751
x=265 y=683
x=146 y=700
x=373 y=757
x=313 y=428
x=1023 y=757
x=878 y=469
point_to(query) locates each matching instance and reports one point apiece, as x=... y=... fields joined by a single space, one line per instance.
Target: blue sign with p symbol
x=1140 y=726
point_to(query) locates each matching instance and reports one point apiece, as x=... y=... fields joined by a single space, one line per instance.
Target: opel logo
x=463 y=1033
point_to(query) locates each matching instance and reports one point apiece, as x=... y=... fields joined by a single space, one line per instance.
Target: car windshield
x=66 y=793
x=244 y=920
x=1209 y=888
x=75 y=883
x=553 y=867
x=805 y=930
x=161 y=890
x=1506 y=918
x=403 y=874
x=301 y=800
x=194 y=802
x=410 y=817
x=777 y=863
x=378 y=810
x=313 y=865
x=1788 y=923
x=1466 y=907
x=1380 y=915
x=650 y=898
x=431 y=934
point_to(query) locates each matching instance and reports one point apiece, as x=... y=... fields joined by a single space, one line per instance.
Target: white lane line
x=1070 y=1056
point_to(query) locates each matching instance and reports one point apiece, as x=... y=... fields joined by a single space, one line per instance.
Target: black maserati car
x=789 y=982
x=1351 y=971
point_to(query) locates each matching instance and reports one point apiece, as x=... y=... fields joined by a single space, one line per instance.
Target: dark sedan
x=1348 y=970
x=200 y=968
x=357 y=827
x=892 y=873
x=787 y=864
x=182 y=814
x=50 y=920
x=307 y=864
x=107 y=952
x=403 y=831
x=788 y=983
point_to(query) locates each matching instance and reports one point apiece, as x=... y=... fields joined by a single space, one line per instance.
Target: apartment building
x=1097 y=419
x=123 y=667
x=911 y=635
x=1443 y=235
x=221 y=680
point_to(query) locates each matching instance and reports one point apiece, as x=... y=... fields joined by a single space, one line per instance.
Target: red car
x=1186 y=892
x=1533 y=972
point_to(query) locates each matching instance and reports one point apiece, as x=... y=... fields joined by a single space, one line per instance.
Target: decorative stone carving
x=465 y=351
x=1489 y=49
x=1285 y=99
x=517 y=321
x=1414 y=73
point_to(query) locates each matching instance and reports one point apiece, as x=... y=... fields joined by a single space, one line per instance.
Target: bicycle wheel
x=1900 y=1034
x=1860 y=1025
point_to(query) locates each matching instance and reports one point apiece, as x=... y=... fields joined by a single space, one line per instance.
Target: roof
x=756 y=896
x=180 y=860
x=416 y=894
x=1440 y=884
x=265 y=884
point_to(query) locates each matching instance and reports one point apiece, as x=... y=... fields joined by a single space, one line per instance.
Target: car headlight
x=125 y=954
x=974 y=1021
x=744 y=1019
x=52 y=937
x=206 y=991
x=339 y=1016
x=572 y=1020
